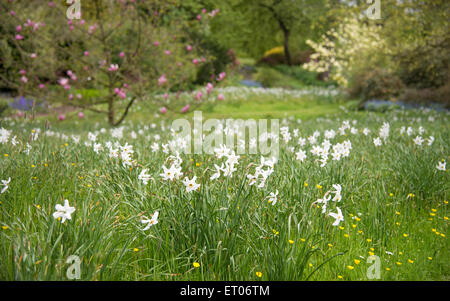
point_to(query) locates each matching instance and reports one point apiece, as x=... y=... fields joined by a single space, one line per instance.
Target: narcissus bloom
x=5 y=184
x=190 y=184
x=273 y=197
x=338 y=216
x=150 y=222
x=441 y=166
x=63 y=212
x=144 y=176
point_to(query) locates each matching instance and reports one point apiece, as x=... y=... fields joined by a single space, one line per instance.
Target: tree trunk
x=287 y=53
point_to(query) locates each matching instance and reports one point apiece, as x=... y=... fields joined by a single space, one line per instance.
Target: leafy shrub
x=376 y=84
x=307 y=77
x=220 y=57
x=429 y=95
x=3 y=107
x=268 y=77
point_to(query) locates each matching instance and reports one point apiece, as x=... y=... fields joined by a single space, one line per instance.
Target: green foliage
x=294 y=77
x=428 y=95
x=306 y=77
x=220 y=58
x=376 y=84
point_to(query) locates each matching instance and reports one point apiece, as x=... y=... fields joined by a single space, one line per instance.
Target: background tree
x=116 y=54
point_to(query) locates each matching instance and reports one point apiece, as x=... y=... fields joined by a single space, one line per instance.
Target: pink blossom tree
x=115 y=54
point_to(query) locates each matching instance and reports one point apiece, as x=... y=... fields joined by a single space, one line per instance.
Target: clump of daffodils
x=337 y=192
x=228 y=167
x=262 y=172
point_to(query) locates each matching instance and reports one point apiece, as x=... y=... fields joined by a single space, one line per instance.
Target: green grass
x=227 y=226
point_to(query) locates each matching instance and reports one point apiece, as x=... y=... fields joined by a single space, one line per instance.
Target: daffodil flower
x=63 y=212
x=338 y=216
x=150 y=222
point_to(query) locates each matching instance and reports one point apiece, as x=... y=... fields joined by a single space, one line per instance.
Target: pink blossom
x=199 y=95
x=82 y=22
x=120 y=92
x=199 y=17
x=220 y=97
x=209 y=88
x=166 y=96
x=33 y=55
x=64 y=82
x=41 y=86
x=19 y=113
x=113 y=67
x=51 y=4
x=156 y=43
x=195 y=61
x=221 y=76
x=70 y=96
x=24 y=79
x=80 y=115
x=167 y=52
x=122 y=54
x=204 y=11
x=188 y=47
x=213 y=13
x=19 y=28
x=163 y=110
x=22 y=72
x=13 y=13
x=19 y=37
x=185 y=109
x=92 y=28
x=162 y=80
x=86 y=53
x=61 y=117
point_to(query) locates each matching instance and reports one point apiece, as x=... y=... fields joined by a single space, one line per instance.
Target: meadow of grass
x=394 y=200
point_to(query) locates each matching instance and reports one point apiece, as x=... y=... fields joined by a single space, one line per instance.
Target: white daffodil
x=63 y=212
x=150 y=222
x=97 y=147
x=217 y=174
x=5 y=183
x=169 y=174
x=190 y=184
x=418 y=140
x=324 y=202
x=337 y=192
x=301 y=155
x=441 y=165
x=273 y=197
x=377 y=141
x=144 y=176
x=337 y=216
x=252 y=179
